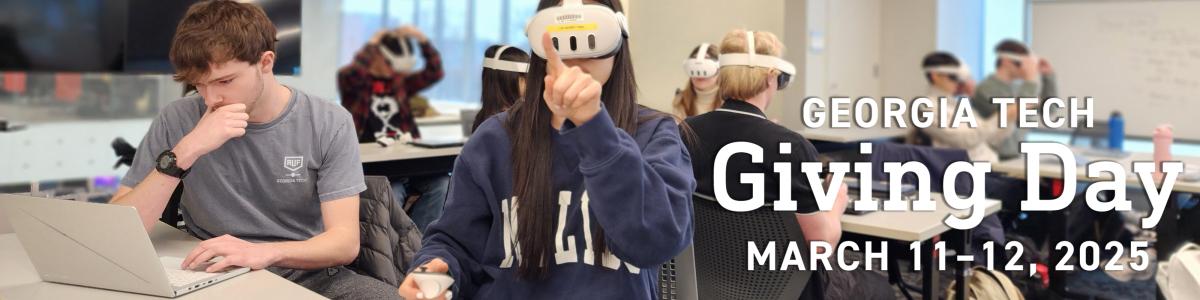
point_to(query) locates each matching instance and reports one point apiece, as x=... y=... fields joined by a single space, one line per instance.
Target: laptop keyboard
x=181 y=277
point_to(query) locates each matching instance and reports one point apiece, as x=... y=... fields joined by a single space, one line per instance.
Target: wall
x=320 y=30
x=909 y=33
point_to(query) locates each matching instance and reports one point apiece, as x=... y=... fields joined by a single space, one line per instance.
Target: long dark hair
x=529 y=128
x=500 y=88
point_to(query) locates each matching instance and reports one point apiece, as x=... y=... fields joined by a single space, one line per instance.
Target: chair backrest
x=720 y=243
x=388 y=240
x=173 y=213
x=677 y=279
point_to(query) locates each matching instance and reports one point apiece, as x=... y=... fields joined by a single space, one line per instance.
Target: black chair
x=719 y=244
x=677 y=279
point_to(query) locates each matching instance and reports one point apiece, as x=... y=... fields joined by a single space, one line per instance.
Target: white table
x=911 y=226
x=19 y=279
x=1016 y=168
x=851 y=135
x=372 y=152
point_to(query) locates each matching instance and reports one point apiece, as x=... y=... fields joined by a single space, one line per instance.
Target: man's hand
x=234 y=251
x=1044 y=67
x=411 y=31
x=216 y=127
x=409 y=289
x=569 y=92
x=1029 y=67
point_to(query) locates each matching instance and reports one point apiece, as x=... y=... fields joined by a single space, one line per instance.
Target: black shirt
x=738 y=121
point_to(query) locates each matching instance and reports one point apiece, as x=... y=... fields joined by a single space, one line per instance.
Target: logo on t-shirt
x=293 y=164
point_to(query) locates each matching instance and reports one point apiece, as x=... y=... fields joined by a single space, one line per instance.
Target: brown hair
x=217 y=31
x=1010 y=45
x=743 y=82
x=685 y=100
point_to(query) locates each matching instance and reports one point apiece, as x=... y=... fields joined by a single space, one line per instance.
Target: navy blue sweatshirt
x=638 y=188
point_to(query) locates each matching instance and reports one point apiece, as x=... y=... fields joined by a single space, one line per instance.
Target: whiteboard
x=1139 y=57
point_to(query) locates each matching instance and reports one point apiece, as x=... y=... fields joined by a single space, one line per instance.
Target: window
x=460 y=29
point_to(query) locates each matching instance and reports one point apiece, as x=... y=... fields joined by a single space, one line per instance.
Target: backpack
x=984 y=284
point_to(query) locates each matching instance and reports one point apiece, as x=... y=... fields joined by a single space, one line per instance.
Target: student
x=503 y=80
x=700 y=93
x=947 y=77
x=1019 y=74
x=272 y=173
x=376 y=88
x=748 y=84
x=577 y=192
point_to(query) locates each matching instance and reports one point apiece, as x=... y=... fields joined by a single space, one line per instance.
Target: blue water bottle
x=1116 y=131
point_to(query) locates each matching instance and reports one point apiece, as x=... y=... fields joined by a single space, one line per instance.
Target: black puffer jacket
x=389 y=238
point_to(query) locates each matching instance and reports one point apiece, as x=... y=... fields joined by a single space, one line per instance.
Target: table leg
x=929 y=282
x=960 y=282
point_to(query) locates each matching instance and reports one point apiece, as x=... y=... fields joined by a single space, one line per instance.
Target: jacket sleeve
x=641 y=197
x=461 y=243
x=430 y=75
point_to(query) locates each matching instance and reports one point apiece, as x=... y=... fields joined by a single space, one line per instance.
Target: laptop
x=467 y=119
x=437 y=142
x=100 y=246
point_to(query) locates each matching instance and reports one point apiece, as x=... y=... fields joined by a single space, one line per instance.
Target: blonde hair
x=744 y=82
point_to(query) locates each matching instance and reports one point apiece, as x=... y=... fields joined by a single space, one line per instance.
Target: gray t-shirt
x=269 y=184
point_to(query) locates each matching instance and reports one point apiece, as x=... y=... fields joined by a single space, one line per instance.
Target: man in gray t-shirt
x=268 y=185
x=271 y=174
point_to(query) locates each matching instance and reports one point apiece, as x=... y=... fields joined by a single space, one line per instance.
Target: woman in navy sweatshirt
x=576 y=192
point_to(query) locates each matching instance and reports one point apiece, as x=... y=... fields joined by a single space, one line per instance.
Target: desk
x=1016 y=168
x=911 y=226
x=851 y=135
x=908 y=226
x=373 y=153
x=20 y=280
x=405 y=160
x=1166 y=229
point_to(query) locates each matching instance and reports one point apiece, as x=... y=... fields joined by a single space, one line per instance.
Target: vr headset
x=699 y=66
x=956 y=73
x=752 y=59
x=399 y=51
x=1016 y=58
x=495 y=63
x=578 y=30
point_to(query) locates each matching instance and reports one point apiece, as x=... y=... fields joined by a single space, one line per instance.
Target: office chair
x=172 y=214
x=677 y=279
x=719 y=245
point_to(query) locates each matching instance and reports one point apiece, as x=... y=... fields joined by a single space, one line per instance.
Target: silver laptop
x=467 y=117
x=100 y=246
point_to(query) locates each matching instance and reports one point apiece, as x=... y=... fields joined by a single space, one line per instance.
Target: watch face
x=166 y=162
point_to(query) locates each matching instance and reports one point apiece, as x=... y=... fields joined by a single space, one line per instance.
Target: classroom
x=599 y=149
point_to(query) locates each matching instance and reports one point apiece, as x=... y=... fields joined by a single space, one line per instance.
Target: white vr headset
x=752 y=59
x=699 y=66
x=578 y=30
x=399 y=52
x=956 y=73
x=495 y=63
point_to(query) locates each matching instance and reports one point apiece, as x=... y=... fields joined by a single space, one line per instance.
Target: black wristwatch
x=166 y=164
